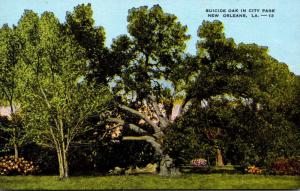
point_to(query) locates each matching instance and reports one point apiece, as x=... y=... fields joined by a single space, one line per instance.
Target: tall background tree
x=81 y=25
x=242 y=95
x=10 y=85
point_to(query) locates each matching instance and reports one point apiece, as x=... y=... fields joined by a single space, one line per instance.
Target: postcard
x=149 y=94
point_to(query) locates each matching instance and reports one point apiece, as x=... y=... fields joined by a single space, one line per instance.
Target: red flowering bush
x=9 y=165
x=199 y=162
x=286 y=167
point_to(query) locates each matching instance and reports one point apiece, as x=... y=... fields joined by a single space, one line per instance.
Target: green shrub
x=9 y=165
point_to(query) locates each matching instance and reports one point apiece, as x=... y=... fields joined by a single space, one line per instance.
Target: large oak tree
x=148 y=87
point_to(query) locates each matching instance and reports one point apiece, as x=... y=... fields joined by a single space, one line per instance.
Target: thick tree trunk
x=167 y=167
x=219 y=157
x=165 y=162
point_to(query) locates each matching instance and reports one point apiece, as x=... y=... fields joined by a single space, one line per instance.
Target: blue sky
x=280 y=33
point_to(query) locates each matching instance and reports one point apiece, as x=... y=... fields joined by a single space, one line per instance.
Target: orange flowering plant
x=254 y=170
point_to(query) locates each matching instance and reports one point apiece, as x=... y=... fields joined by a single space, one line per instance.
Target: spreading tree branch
x=131 y=126
x=162 y=119
x=148 y=139
x=144 y=117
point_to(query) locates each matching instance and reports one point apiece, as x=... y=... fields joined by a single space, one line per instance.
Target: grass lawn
x=187 y=181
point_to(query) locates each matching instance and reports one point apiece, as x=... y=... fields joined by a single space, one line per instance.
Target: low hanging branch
x=131 y=126
x=146 y=138
x=156 y=128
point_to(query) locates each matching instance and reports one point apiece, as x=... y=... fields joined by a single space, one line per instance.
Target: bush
x=286 y=167
x=43 y=157
x=9 y=165
x=199 y=162
x=254 y=170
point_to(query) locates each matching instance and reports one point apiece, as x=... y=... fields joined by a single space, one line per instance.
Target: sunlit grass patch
x=187 y=181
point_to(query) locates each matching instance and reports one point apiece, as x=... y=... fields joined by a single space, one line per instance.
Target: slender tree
x=11 y=88
x=58 y=100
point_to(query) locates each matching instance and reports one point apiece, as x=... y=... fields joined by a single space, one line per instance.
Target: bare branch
x=148 y=139
x=163 y=120
x=144 y=117
x=45 y=98
x=185 y=106
x=131 y=126
x=72 y=132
